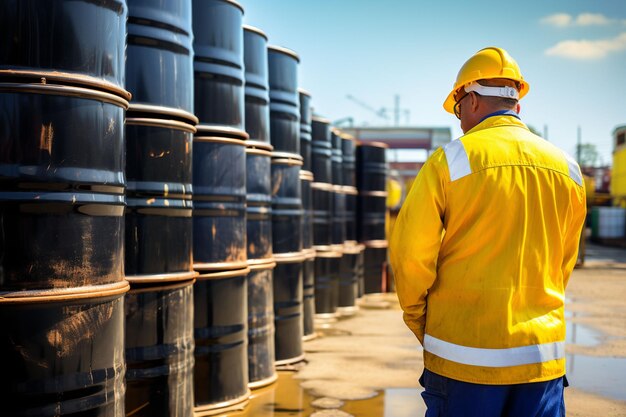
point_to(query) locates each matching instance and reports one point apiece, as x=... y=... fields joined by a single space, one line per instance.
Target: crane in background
x=383 y=111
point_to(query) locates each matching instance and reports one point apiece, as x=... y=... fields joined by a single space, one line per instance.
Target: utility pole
x=396 y=110
x=545 y=132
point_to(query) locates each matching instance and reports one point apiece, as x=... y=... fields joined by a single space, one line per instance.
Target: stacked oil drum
x=371 y=174
x=287 y=210
x=261 y=351
x=326 y=239
x=160 y=125
x=306 y=181
x=351 y=269
x=62 y=101
x=219 y=212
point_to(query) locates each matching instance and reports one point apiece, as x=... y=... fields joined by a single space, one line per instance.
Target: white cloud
x=562 y=20
x=558 y=20
x=587 y=49
x=588 y=19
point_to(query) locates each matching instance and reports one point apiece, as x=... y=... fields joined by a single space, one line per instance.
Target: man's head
x=489 y=81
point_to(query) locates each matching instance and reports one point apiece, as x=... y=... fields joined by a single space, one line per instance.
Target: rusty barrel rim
x=290 y=361
x=309 y=253
x=166 y=123
x=137 y=288
x=283 y=50
x=65 y=79
x=153 y=111
x=352 y=248
x=255 y=147
x=349 y=190
x=375 y=244
x=261 y=264
x=328 y=254
x=64 y=294
x=373 y=193
x=289 y=257
x=321 y=119
x=224 y=274
x=287 y=158
x=224 y=406
x=373 y=144
x=323 y=186
x=263 y=382
x=219 y=267
x=65 y=91
x=306 y=176
x=162 y=278
x=220 y=132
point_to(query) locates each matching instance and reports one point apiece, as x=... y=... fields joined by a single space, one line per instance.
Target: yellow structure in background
x=618 y=175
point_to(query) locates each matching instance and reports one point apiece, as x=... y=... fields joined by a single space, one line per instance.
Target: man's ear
x=518 y=108
x=474 y=101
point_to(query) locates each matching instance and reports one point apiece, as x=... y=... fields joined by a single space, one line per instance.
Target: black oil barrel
x=321 y=150
x=305 y=128
x=308 y=295
x=63 y=355
x=351 y=194
x=336 y=158
x=159 y=55
x=371 y=215
x=322 y=208
x=261 y=352
x=257 y=109
x=259 y=200
x=374 y=266
x=327 y=265
x=284 y=100
x=159 y=212
x=338 y=216
x=79 y=42
x=159 y=350
x=218 y=63
x=351 y=262
x=371 y=166
x=306 y=179
x=287 y=209
x=219 y=199
x=288 y=308
x=62 y=187
x=348 y=155
x=221 y=339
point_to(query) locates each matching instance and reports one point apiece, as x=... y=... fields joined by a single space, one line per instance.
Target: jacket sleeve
x=416 y=239
x=573 y=233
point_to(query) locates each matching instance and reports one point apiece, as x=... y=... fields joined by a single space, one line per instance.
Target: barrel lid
x=283 y=50
x=261 y=264
x=328 y=254
x=62 y=78
x=223 y=274
x=322 y=186
x=256 y=144
x=291 y=257
x=287 y=158
x=304 y=92
x=64 y=294
x=161 y=278
x=306 y=175
x=255 y=30
x=150 y=111
x=320 y=119
x=236 y=4
x=64 y=90
x=375 y=244
x=373 y=193
x=373 y=144
x=165 y=123
x=221 y=132
x=347 y=136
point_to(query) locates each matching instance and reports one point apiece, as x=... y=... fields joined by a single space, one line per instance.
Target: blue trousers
x=445 y=397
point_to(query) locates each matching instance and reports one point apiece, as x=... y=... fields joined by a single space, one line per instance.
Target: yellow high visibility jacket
x=482 y=251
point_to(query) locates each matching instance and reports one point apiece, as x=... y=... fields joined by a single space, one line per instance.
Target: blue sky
x=572 y=52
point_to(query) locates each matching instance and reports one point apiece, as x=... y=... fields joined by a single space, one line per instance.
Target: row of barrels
x=199 y=192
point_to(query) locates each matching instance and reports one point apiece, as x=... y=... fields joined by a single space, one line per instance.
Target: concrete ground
x=373 y=352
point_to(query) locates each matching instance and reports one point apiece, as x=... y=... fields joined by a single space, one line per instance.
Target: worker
x=482 y=251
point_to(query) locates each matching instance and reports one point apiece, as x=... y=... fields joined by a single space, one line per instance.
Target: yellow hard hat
x=487 y=63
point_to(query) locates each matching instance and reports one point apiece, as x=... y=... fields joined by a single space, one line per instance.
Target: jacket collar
x=496 y=121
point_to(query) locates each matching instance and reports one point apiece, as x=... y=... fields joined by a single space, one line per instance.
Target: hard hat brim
x=449 y=103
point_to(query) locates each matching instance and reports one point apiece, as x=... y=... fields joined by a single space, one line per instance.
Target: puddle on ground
x=287 y=398
x=579 y=334
x=597 y=374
